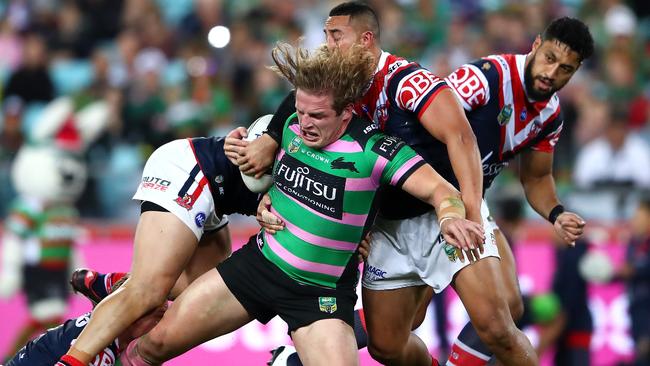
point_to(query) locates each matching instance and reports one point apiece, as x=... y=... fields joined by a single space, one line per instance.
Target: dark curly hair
x=573 y=33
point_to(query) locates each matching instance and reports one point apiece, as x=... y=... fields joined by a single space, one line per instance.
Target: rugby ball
x=255 y=130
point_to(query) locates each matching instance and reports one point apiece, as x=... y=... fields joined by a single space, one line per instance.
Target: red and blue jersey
x=47 y=348
x=504 y=120
x=400 y=92
x=221 y=176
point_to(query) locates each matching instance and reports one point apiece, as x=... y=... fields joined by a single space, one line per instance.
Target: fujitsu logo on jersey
x=320 y=191
x=300 y=178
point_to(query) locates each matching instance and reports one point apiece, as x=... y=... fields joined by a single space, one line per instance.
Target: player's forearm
x=540 y=193
x=448 y=203
x=266 y=148
x=466 y=163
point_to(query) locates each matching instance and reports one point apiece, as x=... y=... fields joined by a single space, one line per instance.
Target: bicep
x=535 y=164
x=444 y=118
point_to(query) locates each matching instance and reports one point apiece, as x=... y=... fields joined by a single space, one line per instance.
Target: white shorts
x=173 y=180
x=410 y=252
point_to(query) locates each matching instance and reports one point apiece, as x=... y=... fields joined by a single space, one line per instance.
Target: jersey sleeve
x=284 y=111
x=414 y=88
x=396 y=160
x=471 y=83
x=551 y=135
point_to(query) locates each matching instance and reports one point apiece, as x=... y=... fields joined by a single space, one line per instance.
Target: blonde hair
x=345 y=75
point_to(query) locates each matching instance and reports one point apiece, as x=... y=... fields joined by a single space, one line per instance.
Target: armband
x=555 y=212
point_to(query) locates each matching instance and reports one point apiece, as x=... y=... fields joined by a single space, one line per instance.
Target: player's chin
x=543 y=94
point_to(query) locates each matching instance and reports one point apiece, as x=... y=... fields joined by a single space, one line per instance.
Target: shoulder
x=372 y=140
x=362 y=130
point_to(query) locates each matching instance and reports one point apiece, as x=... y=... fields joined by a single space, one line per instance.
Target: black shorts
x=265 y=291
x=43 y=284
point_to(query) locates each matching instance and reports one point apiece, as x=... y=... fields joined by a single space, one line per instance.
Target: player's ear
x=537 y=43
x=367 y=38
x=347 y=112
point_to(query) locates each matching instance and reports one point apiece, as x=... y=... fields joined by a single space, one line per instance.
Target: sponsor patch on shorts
x=199 y=219
x=327 y=304
x=373 y=273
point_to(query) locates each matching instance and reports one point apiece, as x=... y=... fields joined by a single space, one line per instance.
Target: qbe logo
x=469 y=85
x=414 y=87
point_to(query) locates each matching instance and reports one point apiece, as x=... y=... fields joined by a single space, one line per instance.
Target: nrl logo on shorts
x=451 y=251
x=504 y=116
x=294 y=145
x=327 y=304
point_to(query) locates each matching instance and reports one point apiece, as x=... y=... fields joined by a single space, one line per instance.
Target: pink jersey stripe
x=315 y=239
x=360 y=184
x=404 y=168
x=348 y=219
x=341 y=146
x=300 y=263
x=295 y=128
x=279 y=155
x=378 y=169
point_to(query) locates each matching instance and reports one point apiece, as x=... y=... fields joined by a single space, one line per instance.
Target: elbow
x=467 y=139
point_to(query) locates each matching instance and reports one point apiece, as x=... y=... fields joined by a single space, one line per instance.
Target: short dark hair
x=358 y=10
x=573 y=33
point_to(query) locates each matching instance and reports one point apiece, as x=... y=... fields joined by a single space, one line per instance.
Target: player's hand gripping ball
x=256 y=129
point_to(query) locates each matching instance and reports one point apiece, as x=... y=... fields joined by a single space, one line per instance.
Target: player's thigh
x=481 y=290
x=326 y=342
x=508 y=269
x=389 y=314
x=163 y=246
x=213 y=248
x=205 y=310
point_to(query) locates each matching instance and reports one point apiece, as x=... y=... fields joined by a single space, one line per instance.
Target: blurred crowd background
x=177 y=68
x=159 y=66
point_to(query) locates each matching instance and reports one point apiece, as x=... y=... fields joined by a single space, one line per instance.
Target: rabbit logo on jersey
x=316 y=189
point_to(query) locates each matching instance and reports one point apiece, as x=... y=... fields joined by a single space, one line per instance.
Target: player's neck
x=376 y=55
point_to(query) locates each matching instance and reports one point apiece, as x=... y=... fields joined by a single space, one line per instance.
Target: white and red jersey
x=504 y=120
x=400 y=92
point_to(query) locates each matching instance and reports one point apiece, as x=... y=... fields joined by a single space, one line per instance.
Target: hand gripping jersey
x=51 y=345
x=504 y=120
x=326 y=199
x=400 y=92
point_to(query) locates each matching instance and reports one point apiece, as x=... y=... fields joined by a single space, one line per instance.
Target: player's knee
x=496 y=331
x=385 y=349
x=145 y=297
x=152 y=348
x=498 y=335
